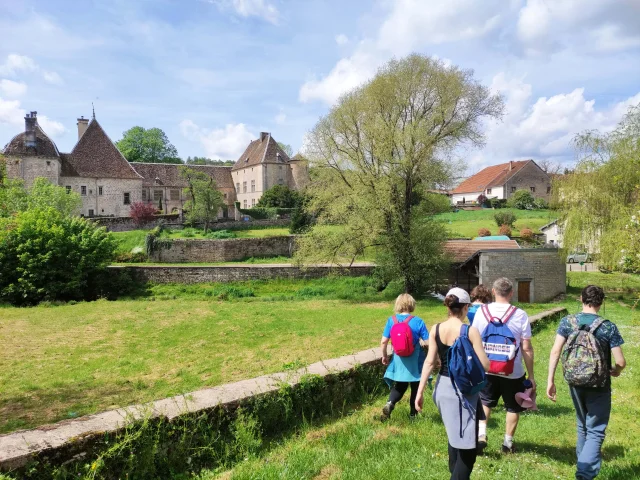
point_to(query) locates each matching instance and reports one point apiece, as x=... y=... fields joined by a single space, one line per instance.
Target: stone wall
x=233 y=273
x=530 y=176
x=30 y=168
x=111 y=200
x=188 y=250
x=543 y=267
x=125 y=224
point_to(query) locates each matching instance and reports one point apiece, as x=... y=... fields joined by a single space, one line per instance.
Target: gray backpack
x=583 y=360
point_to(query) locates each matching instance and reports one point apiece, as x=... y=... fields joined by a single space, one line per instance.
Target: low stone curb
x=18 y=448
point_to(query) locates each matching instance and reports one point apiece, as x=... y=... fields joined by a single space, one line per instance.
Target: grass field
x=64 y=361
x=359 y=447
x=467 y=223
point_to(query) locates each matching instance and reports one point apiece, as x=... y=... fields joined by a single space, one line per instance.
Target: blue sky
x=214 y=73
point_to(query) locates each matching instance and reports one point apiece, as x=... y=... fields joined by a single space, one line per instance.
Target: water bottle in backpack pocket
x=584 y=362
x=499 y=342
x=402 y=337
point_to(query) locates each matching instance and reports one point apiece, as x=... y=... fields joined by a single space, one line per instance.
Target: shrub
x=540 y=204
x=522 y=200
x=301 y=219
x=482 y=199
x=260 y=213
x=279 y=196
x=142 y=212
x=221 y=234
x=132 y=257
x=484 y=232
x=526 y=234
x=505 y=218
x=505 y=230
x=45 y=255
x=497 y=203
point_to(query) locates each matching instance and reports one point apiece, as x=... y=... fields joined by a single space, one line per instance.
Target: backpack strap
x=408 y=319
x=508 y=314
x=486 y=312
x=573 y=321
x=464 y=330
x=596 y=323
x=394 y=318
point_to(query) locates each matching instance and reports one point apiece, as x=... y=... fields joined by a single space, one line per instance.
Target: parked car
x=578 y=258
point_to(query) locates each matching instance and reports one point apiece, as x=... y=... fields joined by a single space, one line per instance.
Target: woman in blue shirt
x=403 y=372
x=479 y=295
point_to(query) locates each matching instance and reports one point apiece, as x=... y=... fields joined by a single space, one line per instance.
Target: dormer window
x=247 y=160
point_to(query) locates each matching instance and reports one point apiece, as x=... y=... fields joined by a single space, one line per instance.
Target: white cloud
x=252 y=8
x=15 y=64
x=226 y=143
x=342 y=39
x=53 y=78
x=11 y=114
x=12 y=89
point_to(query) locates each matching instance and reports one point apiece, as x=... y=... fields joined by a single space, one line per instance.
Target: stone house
x=502 y=181
x=262 y=165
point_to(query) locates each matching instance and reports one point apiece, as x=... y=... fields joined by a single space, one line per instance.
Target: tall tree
x=205 y=201
x=600 y=199
x=549 y=166
x=279 y=196
x=147 y=145
x=286 y=148
x=376 y=154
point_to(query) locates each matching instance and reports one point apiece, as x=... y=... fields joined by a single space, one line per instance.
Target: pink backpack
x=402 y=337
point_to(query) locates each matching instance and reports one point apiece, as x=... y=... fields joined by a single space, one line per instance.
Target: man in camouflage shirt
x=592 y=404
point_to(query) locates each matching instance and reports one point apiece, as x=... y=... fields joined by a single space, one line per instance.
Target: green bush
x=45 y=255
x=540 y=204
x=279 y=196
x=260 y=213
x=301 y=220
x=522 y=200
x=221 y=234
x=497 y=203
x=505 y=218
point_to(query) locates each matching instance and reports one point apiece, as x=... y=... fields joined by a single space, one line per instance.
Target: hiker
x=460 y=412
x=506 y=334
x=479 y=295
x=407 y=334
x=589 y=341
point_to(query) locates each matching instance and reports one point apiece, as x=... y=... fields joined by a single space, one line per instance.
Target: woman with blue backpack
x=406 y=333
x=457 y=347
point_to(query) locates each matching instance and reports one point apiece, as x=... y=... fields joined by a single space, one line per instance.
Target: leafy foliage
x=301 y=219
x=505 y=218
x=505 y=230
x=15 y=198
x=208 y=161
x=279 y=196
x=522 y=200
x=484 y=232
x=142 y=212
x=147 y=145
x=205 y=201
x=375 y=156
x=540 y=204
x=45 y=255
x=600 y=201
x=221 y=234
x=526 y=234
x=286 y=149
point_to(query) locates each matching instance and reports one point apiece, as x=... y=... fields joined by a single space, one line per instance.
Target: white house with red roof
x=502 y=181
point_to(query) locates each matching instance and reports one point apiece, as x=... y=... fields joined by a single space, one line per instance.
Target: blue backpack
x=465 y=370
x=499 y=343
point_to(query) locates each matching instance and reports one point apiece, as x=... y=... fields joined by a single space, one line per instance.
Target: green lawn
x=466 y=223
x=70 y=360
x=359 y=447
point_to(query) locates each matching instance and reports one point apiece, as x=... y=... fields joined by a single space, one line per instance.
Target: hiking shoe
x=482 y=444
x=507 y=450
x=386 y=411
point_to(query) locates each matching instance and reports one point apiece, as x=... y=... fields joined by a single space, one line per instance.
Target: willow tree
x=600 y=201
x=375 y=156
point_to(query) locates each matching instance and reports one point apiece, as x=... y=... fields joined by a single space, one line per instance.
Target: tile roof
x=461 y=250
x=44 y=145
x=263 y=150
x=494 y=176
x=169 y=174
x=96 y=156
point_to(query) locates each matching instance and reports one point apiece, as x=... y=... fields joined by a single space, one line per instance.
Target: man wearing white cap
x=506 y=335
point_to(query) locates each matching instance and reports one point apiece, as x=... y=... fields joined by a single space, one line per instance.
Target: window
x=174 y=194
x=83 y=190
x=244 y=187
x=144 y=195
x=48 y=166
x=90 y=212
x=533 y=189
x=513 y=189
x=127 y=198
x=225 y=196
x=238 y=187
x=548 y=189
x=68 y=187
x=157 y=195
x=253 y=202
x=245 y=204
x=488 y=191
x=280 y=181
x=99 y=190
x=253 y=186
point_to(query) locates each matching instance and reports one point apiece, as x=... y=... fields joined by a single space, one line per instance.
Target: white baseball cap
x=462 y=295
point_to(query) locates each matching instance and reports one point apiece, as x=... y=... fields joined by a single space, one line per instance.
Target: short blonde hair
x=405 y=303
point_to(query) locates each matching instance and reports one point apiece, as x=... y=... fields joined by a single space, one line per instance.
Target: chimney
x=83 y=123
x=510 y=165
x=30 y=122
x=263 y=135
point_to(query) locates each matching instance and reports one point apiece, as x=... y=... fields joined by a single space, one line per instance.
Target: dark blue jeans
x=593 y=409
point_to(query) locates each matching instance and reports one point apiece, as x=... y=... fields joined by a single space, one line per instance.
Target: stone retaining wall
x=233 y=273
x=186 y=250
x=70 y=440
x=126 y=224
